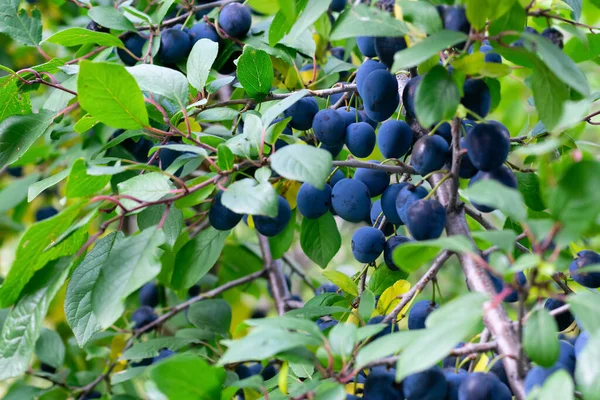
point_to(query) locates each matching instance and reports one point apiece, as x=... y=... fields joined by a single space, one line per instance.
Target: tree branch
x=276 y=278
x=401 y=168
x=455 y=168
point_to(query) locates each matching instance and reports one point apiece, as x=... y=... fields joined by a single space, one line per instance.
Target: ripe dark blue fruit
x=363 y=71
x=92 y=395
x=452 y=362
x=425 y=219
x=394 y=138
x=339 y=53
x=273 y=226
x=501 y=175
x=313 y=203
x=324 y=324
x=454 y=18
x=386 y=48
x=133 y=42
x=407 y=195
x=499 y=285
x=162 y=354
x=269 y=371
x=425 y=385
x=537 y=376
x=477 y=97
x=454 y=381
x=47 y=368
x=419 y=313
x=96 y=27
x=566 y=357
x=327 y=288
x=480 y=386
x=488 y=145
x=408 y=96
x=43 y=213
x=149 y=295
x=338 y=5
x=380 y=95
x=467 y=169
x=367 y=244
x=381 y=385
x=337 y=176
x=563 y=320
x=365 y=118
x=329 y=127
x=360 y=139
x=143 y=316
x=221 y=217
x=584 y=259
x=302 y=113
x=528 y=29
x=377 y=216
x=202 y=30
x=335 y=150
x=16 y=172
x=490 y=55
x=555 y=36
x=174 y=46
x=351 y=200
x=498 y=370
x=388 y=203
x=366 y=45
x=388 y=250
x=376 y=180
x=235 y=19
x=350 y=116
x=168 y=156
x=581 y=342
x=429 y=154
x=445 y=131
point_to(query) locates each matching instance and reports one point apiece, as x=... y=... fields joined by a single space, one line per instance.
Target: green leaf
x=274 y=111
x=362 y=20
x=586 y=308
x=78 y=300
x=188 y=377
x=152 y=347
x=479 y=11
x=529 y=186
x=110 y=17
x=212 y=314
x=559 y=385
x=80 y=36
x=200 y=61
x=412 y=255
x=132 y=262
x=342 y=339
x=385 y=346
x=446 y=327
x=303 y=163
x=263 y=343
x=504 y=239
x=498 y=196
x=151 y=186
x=427 y=48
x=320 y=239
x=182 y=148
x=342 y=280
x=18 y=24
x=282 y=242
x=255 y=72
x=80 y=184
x=225 y=158
x=19 y=132
x=15 y=192
x=540 y=338
x=288 y=8
x=367 y=305
x=15 y=102
x=38 y=187
x=587 y=371
x=287 y=322
x=382 y=278
x=550 y=108
x=86 y=123
x=423 y=15
x=559 y=63
x=197 y=257
x=162 y=81
x=249 y=197
x=437 y=97
x=309 y=15
x=109 y=93
x=218 y=114
x=172 y=226
x=49 y=348
x=31 y=256
x=24 y=322
x=199 y=195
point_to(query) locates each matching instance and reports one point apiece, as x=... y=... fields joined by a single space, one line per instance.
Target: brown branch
x=279 y=287
x=547 y=14
x=401 y=168
x=455 y=168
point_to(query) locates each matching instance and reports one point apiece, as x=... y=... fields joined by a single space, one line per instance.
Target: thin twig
x=401 y=168
x=279 y=287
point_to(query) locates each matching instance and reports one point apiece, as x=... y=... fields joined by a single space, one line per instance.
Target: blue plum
x=162 y=354
x=386 y=47
x=425 y=219
x=43 y=213
x=501 y=175
x=175 y=46
x=563 y=320
x=429 y=154
x=419 y=313
x=537 y=376
x=388 y=251
x=221 y=217
x=273 y=226
x=143 y=316
x=454 y=18
x=367 y=244
x=360 y=139
x=480 y=386
x=454 y=381
x=381 y=385
x=490 y=55
x=350 y=116
x=313 y=203
x=364 y=70
x=555 y=36
x=376 y=211
x=380 y=95
x=581 y=342
x=566 y=357
x=149 y=295
x=327 y=288
x=325 y=324
x=366 y=45
x=408 y=96
x=338 y=5
x=407 y=195
x=394 y=138
x=329 y=127
x=584 y=259
x=337 y=176
x=388 y=203
x=488 y=145
x=202 y=30
x=235 y=19
x=376 y=180
x=302 y=113
x=445 y=131
x=467 y=169
x=477 y=97
x=425 y=385
x=351 y=200
x=134 y=42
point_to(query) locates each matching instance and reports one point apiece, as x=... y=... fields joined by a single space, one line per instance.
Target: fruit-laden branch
x=495 y=317
x=400 y=168
x=184 y=16
x=274 y=275
x=466 y=350
x=419 y=286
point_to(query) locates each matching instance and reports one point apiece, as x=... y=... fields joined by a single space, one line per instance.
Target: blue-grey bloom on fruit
x=367 y=244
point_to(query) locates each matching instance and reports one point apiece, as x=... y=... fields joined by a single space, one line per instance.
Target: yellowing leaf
x=353 y=319
x=282 y=379
x=250 y=222
x=194 y=126
x=482 y=363
x=117 y=347
x=389 y=299
x=343 y=281
x=290 y=192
